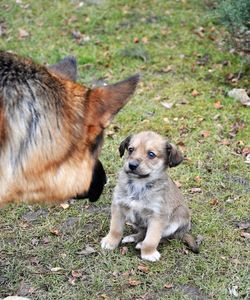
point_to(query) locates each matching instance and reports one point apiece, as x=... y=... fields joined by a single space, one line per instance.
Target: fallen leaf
x=45 y=240
x=218 y=105
x=205 y=133
x=124 y=250
x=245 y=235
x=195 y=190
x=64 y=205
x=236 y=127
x=247 y=161
x=105 y=297
x=181 y=144
x=197 y=179
x=177 y=183
x=168 y=286
x=243 y=225
x=72 y=280
x=143 y=268
x=200 y=32
x=54 y=231
x=87 y=251
x=76 y=274
x=56 y=269
x=167 y=69
x=240 y=95
x=136 y=40
x=224 y=142
x=22 y=33
x=195 y=93
x=133 y=282
x=233 y=291
x=167 y=105
x=246 y=150
x=214 y=201
x=110 y=133
x=166 y=120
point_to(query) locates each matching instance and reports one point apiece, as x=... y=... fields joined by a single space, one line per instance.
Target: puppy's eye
x=130 y=150
x=151 y=154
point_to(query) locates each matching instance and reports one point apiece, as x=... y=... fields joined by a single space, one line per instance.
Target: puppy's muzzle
x=133 y=165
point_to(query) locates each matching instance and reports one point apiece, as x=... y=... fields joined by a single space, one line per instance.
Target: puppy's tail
x=189 y=240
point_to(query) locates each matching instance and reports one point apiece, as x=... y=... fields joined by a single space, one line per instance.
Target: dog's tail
x=190 y=241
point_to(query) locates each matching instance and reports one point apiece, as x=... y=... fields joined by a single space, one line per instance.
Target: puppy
x=51 y=130
x=146 y=197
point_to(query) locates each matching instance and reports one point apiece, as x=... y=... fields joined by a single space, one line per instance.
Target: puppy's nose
x=133 y=165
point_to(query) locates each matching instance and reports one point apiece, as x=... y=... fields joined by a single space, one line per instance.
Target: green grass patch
x=179 y=50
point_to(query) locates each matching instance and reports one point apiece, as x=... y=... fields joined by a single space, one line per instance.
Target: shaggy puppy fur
x=147 y=197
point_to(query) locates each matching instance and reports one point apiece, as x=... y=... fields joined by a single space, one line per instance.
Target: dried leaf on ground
x=54 y=231
x=240 y=95
x=214 y=201
x=195 y=190
x=56 y=269
x=247 y=161
x=123 y=250
x=245 y=235
x=23 y=33
x=87 y=251
x=168 y=286
x=64 y=205
x=197 y=178
x=205 y=133
x=134 y=282
x=218 y=105
x=243 y=225
x=233 y=291
x=167 y=105
x=195 y=93
x=143 y=268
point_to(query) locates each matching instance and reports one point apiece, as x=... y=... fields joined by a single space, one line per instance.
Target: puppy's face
x=148 y=154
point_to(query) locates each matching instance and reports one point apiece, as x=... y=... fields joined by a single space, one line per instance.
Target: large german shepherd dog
x=51 y=130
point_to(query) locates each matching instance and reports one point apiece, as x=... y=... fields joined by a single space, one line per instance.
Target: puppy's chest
x=139 y=203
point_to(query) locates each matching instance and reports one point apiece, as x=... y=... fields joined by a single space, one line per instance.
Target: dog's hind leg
x=134 y=238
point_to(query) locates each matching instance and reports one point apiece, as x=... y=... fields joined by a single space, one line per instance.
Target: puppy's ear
x=173 y=155
x=65 y=68
x=104 y=102
x=124 y=145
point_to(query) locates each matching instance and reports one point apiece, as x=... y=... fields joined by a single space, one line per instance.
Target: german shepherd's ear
x=173 y=155
x=106 y=101
x=65 y=68
x=124 y=145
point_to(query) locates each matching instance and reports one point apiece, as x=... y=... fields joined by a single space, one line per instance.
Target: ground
x=187 y=70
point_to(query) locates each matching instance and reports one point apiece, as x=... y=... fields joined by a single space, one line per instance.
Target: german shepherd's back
x=51 y=129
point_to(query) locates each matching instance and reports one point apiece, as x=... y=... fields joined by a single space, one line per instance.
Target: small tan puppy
x=147 y=197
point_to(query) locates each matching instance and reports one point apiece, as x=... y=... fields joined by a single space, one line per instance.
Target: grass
x=180 y=34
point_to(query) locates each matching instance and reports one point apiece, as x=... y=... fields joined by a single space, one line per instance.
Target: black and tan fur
x=146 y=197
x=51 y=130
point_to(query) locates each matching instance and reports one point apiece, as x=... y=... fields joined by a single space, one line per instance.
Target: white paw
x=151 y=257
x=138 y=245
x=105 y=244
x=128 y=239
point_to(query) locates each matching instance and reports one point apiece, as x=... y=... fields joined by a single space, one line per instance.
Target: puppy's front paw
x=109 y=243
x=154 y=256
